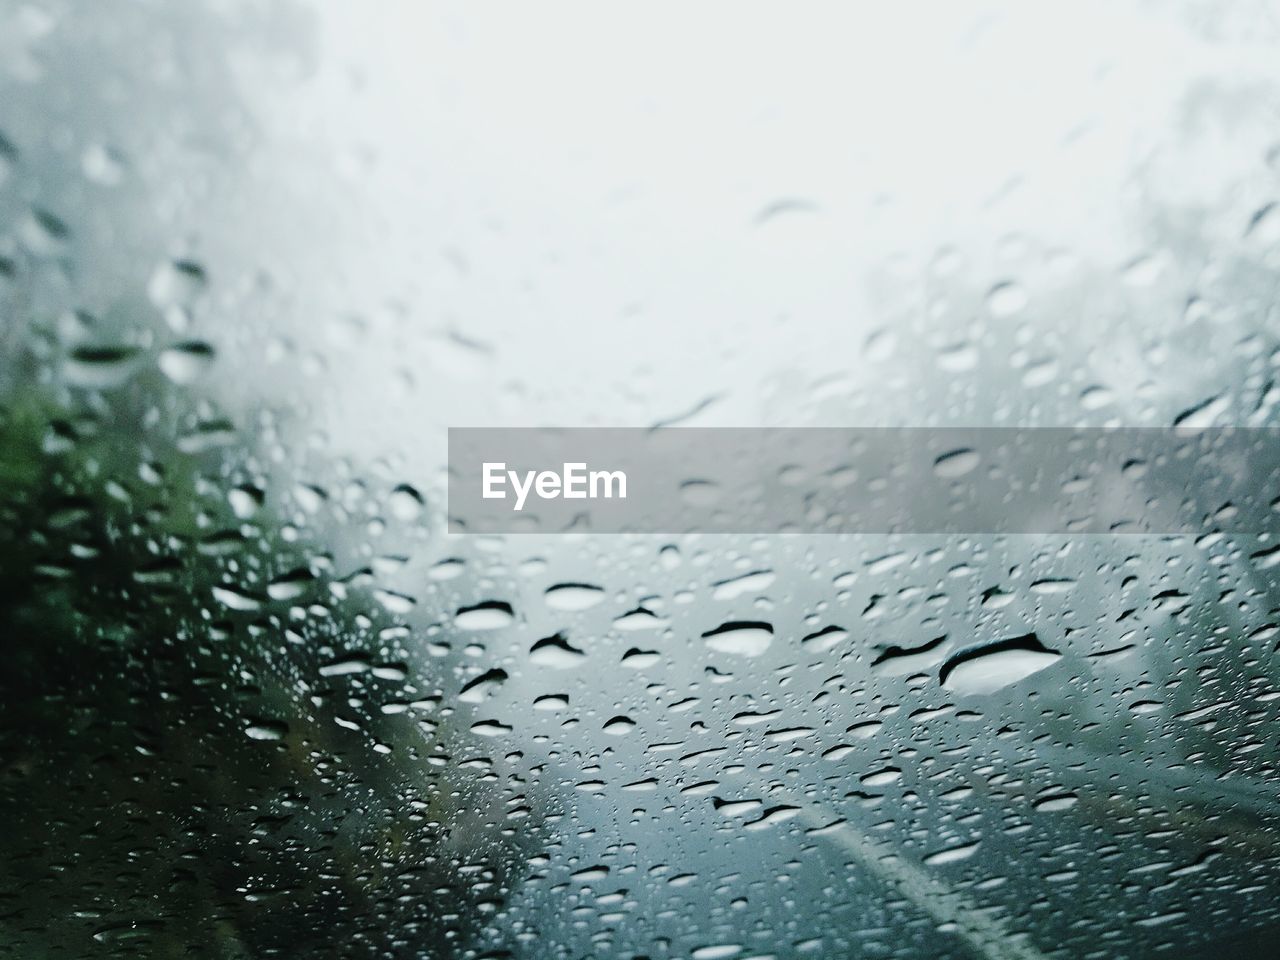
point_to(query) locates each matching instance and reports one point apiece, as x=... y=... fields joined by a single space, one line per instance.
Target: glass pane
x=256 y=258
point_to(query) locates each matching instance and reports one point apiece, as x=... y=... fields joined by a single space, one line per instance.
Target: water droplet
x=957 y=463
x=619 y=726
x=394 y=602
x=100 y=368
x=483 y=686
x=490 y=728
x=266 y=730
x=952 y=854
x=245 y=500
x=1053 y=585
x=1006 y=299
x=345 y=666
x=993 y=667
x=405 y=503
x=1095 y=397
x=718 y=951
x=103 y=165
x=864 y=729
x=824 y=639
x=1202 y=415
x=572 y=597
x=489 y=615
x=236 y=599
x=636 y=659
x=738 y=586
x=186 y=362
x=958 y=357
x=881 y=778
x=902 y=661
x=1264 y=225
x=555 y=651
x=176 y=283
x=43 y=234
x=700 y=494
x=447 y=569
x=740 y=638
x=1055 y=802
x=291 y=585
x=639 y=619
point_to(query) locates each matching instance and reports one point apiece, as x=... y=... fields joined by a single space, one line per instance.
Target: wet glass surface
x=255 y=258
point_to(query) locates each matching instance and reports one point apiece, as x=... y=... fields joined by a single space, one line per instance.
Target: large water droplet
x=741 y=638
x=957 y=463
x=489 y=615
x=186 y=362
x=995 y=666
x=555 y=651
x=571 y=597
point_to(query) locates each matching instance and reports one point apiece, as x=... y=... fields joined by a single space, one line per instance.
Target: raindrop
x=957 y=463
x=1006 y=299
x=345 y=666
x=235 y=599
x=245 y=500
x=1053 y=585
x=405 y=503
x=901 y=661
x=483 y=686
x=176 y=283
x=266 y=730
x=394 y=602
x=555 y=651
x=951 y=855
x=995 y=666
x=739 y=586
x=881 y=778
x=291 y=585
x=717 y=951
x=619 y=726
x=43 y=234
x=1202 y=415
x=100 y=368
x=572 y=597
x=1055 y=802
x=824 y=639
x=186 y=362
x=490 y=728
x=637 y=659
x=958 y=357
x=741 y=638
x=639 y=619
x=102 y=165
x=489 y=615
x=447 y=569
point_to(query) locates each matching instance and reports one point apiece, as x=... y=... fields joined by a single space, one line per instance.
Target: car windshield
x=269 y=690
